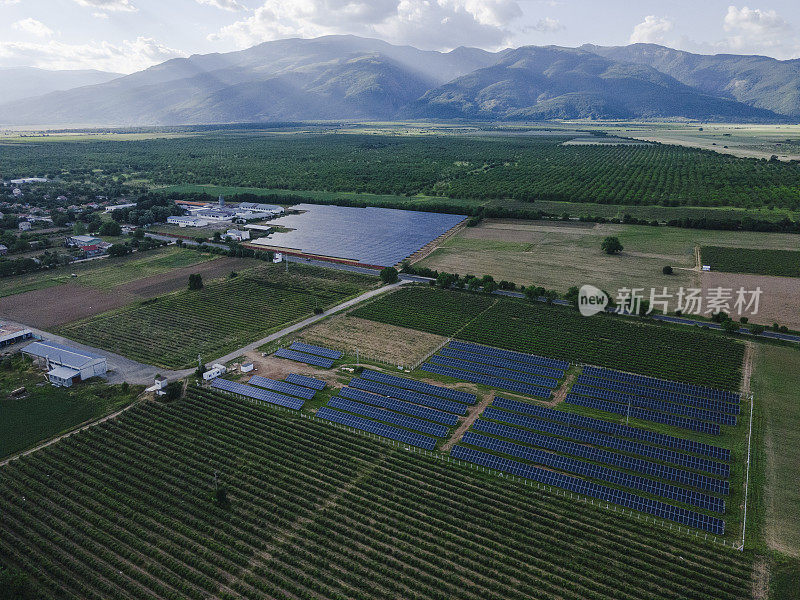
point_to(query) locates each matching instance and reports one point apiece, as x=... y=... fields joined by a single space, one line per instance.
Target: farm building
x=237 y=235
x=64 y=364
x=24 y=226
x=83 y=240
x=114 y=207
x=261 y=209
x=11 y=334
x=183 y=221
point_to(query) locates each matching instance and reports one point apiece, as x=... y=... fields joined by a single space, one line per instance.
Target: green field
x=107 y=273
x=44 y=411
x=313 y=511
x=780 y=263
x=171 y=330
x=621 y=343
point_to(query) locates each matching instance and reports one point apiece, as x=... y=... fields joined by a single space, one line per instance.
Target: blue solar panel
x=309 y=382
x=387 y=416
x=282 y=386
x=626 y=431
x=257 y=394
x=399 y=406
x=304 y=358
x=585 y=469
x=401 y=435
x=660 y=509
x=409 y=395
x=640 y=390
x=420 y=386
x=659 y=405
x=496 y=382
x=502 y=362
x=531 y=359
x=316 y=350
x=702 y=482
x=547 y=382
x=645 y=414
x=674 y=386
x=600 y=439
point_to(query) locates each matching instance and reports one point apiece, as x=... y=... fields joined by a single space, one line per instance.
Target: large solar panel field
x=371 y=236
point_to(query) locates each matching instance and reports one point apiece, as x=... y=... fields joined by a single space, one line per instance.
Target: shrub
x=389 y=275
x=612 y=245
x=667 y=270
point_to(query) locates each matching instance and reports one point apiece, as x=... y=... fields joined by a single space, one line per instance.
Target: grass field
x=657 y=350
x=44 y=411
x=127 y=510
x=171 y=330
x=780 y=263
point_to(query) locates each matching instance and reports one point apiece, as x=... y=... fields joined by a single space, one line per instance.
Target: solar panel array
x=316 y=350
x=399 y=406
x=630 y=388
x=257 y=394
x=309 y=382
x=644 y=414
x=579 y=467
x=493 y=371
x=419 y=386
x=409 y=395
x=282 y=386
x=617 y=429
x=651 y=404
x=496 y=382
x=703 y=482
x=388 y=416
x=511 y=355
x=663 y=384
x=401 y=435
x=607 y=441
x=302 y=357
x=574 y=484
x=502 y=362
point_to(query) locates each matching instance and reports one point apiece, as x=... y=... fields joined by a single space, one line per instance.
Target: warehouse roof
x=64 y=355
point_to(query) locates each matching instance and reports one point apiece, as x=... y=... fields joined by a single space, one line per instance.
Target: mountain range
x=348 y=77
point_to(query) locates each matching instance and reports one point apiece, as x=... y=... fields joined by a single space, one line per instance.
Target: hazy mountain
x=759 y=81
x=565 y=83
x=24 y=82
x=342 y=77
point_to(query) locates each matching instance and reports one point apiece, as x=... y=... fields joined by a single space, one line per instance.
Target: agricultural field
x=760 y=261
x=171 y=330
x=128 y=509
x=43 y=410
x=657 y=350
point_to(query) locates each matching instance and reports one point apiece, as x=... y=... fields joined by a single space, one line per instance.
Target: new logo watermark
x=591 y=300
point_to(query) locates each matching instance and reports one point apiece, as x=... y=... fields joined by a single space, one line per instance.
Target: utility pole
x=286 y=260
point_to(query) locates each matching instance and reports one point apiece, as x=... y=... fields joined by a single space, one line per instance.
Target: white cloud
x=126 y=57
x=754 y=21
x=651 y=31
x=33 y=27
x=8 y=2
x=109 y=5
x=756 y=31
x=439 y=24
x=231 y=5
x=546 y=25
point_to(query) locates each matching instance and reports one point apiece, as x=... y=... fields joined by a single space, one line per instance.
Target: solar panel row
x=530 y=359
x=302 y=357
x=645 y=414
x=419 y=386
x=409 y=395
x=309 y=382
x=657 y=508
x=617 y=429
x=387 y=416
x=663 y=384
x=659 y=405
x=282 y=386
x=472 y=367
x=496 y=382
x=640 y=390
x=579 y=467
x=702 y=482
x=502 y=362
x=401 y=435
x=399 y=406
x=316 y=350
x=257 y=394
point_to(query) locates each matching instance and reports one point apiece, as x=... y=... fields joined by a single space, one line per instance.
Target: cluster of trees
x=150 y=208
x=20 y=266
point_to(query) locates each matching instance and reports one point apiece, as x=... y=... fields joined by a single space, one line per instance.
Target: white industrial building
x=11 y=334
x=237 y=235
x=114 y=207
x=64 y=364
x=83 y=240
x=261 y=209
x=187 y=221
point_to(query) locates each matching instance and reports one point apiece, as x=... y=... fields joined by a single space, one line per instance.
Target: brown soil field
x=176 y=279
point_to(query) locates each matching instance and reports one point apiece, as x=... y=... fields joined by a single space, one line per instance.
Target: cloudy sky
x=128 y=35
